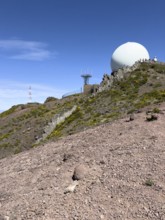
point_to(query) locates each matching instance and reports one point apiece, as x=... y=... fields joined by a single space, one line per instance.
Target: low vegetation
x=149 y=182
x=142 y=87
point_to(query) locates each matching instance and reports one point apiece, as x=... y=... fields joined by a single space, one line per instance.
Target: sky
x=46 y=45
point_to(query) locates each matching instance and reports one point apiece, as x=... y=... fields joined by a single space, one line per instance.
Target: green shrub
x=159 y=68
x=152 y=97
x=149 y=182
x=156 y=110
x=157 y=85
x=17 y=150
x=50 y=99
x=5 y=145
x=39 y=111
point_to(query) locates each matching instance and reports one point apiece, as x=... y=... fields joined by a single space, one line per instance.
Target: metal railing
x=79 y=91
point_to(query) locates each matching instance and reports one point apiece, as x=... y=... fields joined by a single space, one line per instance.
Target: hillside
x=22 y=127
x=118 y=172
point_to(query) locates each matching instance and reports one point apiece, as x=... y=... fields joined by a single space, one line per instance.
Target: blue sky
x=48 y=44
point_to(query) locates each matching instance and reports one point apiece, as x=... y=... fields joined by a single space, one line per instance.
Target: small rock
x=79 y=172
x=71 y=187
x=139 y=111
x=132 y=117
x=1 y=217
x=66 y=157
x=152 y=117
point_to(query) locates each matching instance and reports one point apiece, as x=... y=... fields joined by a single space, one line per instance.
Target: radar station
x=86 y=78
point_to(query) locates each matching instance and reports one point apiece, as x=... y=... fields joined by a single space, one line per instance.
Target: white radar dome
x=127 y=54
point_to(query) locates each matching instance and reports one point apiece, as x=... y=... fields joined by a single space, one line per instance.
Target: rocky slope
x=118 y=172
x=124 y=92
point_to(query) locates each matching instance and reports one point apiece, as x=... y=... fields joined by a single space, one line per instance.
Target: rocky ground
x=113 y=171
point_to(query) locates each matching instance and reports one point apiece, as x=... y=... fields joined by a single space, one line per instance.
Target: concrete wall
x=89 y=89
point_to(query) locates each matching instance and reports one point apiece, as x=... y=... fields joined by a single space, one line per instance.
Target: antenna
x=86 y=78
x=155 y=59
x=30 y=93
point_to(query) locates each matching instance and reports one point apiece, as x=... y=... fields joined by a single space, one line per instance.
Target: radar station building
x=89 y=88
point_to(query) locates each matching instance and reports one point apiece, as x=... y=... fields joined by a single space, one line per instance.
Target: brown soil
x=123 y=175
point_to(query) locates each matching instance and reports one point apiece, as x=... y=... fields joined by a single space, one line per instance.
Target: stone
x=152 y=117
x=71 y=187
x=132 y=117
x=1 y=217
x=67 y=156
x=80 y=172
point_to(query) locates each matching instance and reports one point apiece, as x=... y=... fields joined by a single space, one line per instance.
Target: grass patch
x=17 y=150
x=38 y=112
x=155 y=96
x=157 y=85
x=5 y=145
x=156 y=110
x=77 y=114
x=149 y=182
x=8 y=112
x=4 y=136
x=158 y=67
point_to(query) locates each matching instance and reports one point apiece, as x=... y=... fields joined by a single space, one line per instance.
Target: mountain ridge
x=130 y=90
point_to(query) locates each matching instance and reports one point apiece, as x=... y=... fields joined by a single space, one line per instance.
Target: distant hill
x=23 y=126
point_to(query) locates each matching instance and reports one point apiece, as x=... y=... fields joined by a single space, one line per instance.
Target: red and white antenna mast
x=30 y=93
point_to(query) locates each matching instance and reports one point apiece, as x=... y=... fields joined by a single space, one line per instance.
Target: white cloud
x=25 y=50
x=13 y=93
